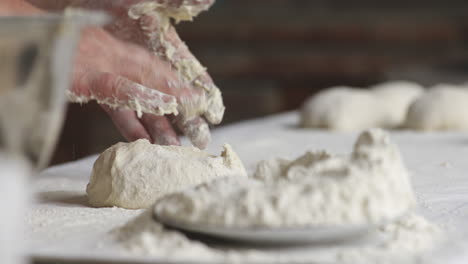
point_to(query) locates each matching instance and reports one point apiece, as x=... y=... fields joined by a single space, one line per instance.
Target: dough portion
x=340 y=108
x=371 y=185
x=444 y=107
x=349 y=109
x=135 y=175
x=394 y=98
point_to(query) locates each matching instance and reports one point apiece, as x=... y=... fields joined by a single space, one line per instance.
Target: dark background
x=268 y=56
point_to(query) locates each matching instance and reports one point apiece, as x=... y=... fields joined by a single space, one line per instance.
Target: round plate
x=261 y=235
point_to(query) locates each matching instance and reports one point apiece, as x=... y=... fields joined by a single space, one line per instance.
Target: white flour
x=371 y=185
x=400 y=242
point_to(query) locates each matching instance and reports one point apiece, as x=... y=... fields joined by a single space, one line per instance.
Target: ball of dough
x=394 y=99
x=134 y=175
x=444 y=107
x=341 y=108
x=350 y=109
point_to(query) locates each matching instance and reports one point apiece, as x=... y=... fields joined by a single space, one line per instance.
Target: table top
x=438 y=163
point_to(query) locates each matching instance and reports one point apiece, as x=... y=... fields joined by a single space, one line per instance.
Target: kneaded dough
x=444 y=107
x=135 y=175
x=349 y=109
x=394 y=99
x=340 y=108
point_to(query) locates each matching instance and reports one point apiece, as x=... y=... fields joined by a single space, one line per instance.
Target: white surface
x=438 y=163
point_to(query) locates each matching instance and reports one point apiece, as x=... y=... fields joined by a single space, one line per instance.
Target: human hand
x=117 y=75
x=146 y=25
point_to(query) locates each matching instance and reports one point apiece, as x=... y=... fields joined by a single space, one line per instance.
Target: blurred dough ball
x=349 y=109
x=444 y=107
x=395 y=99
x=340 y=108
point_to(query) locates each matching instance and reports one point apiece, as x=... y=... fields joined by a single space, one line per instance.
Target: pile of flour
x=369 y=186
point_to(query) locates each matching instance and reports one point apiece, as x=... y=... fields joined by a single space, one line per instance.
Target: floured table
x=63 y=228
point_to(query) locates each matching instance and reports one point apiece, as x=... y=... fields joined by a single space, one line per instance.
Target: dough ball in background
x=350 y=109
x=134 y=175
x=341 y=108
x=443 y=107
x=394 y=99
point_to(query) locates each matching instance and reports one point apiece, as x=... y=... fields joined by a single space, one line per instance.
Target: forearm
x=17 y=7
x=57 y=5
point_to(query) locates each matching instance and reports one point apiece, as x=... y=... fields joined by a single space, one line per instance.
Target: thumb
x=116 y=91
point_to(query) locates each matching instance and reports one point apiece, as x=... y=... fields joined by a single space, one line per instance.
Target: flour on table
x=134 y=175
x=369 y=186
x=444 y=107
x=403 y=241
x=348 y=109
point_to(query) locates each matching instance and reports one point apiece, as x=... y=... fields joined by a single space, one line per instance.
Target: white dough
x=371 y=185
x=444 y=107
x=340 y=108
x=350 y=109
x=394 y=99
x=134 y=175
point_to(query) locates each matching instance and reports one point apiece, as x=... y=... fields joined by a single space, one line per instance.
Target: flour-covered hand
x=147 y=25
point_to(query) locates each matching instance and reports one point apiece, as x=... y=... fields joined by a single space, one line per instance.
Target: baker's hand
x=147 y=25
x=118 y=76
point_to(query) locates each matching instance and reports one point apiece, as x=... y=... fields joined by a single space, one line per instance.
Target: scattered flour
x=402 y=241
x=134 y=175
x=370 y=185
x=349 y=109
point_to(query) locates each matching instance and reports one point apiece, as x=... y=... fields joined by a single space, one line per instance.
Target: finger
x=214 y=105
x=179 y=10
x=185 y=10
x=118 y=92
x=160 y=130
x=167 y=44
x=127 y=123
x=182 y=3
x=196 y=129
x=197 y=75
